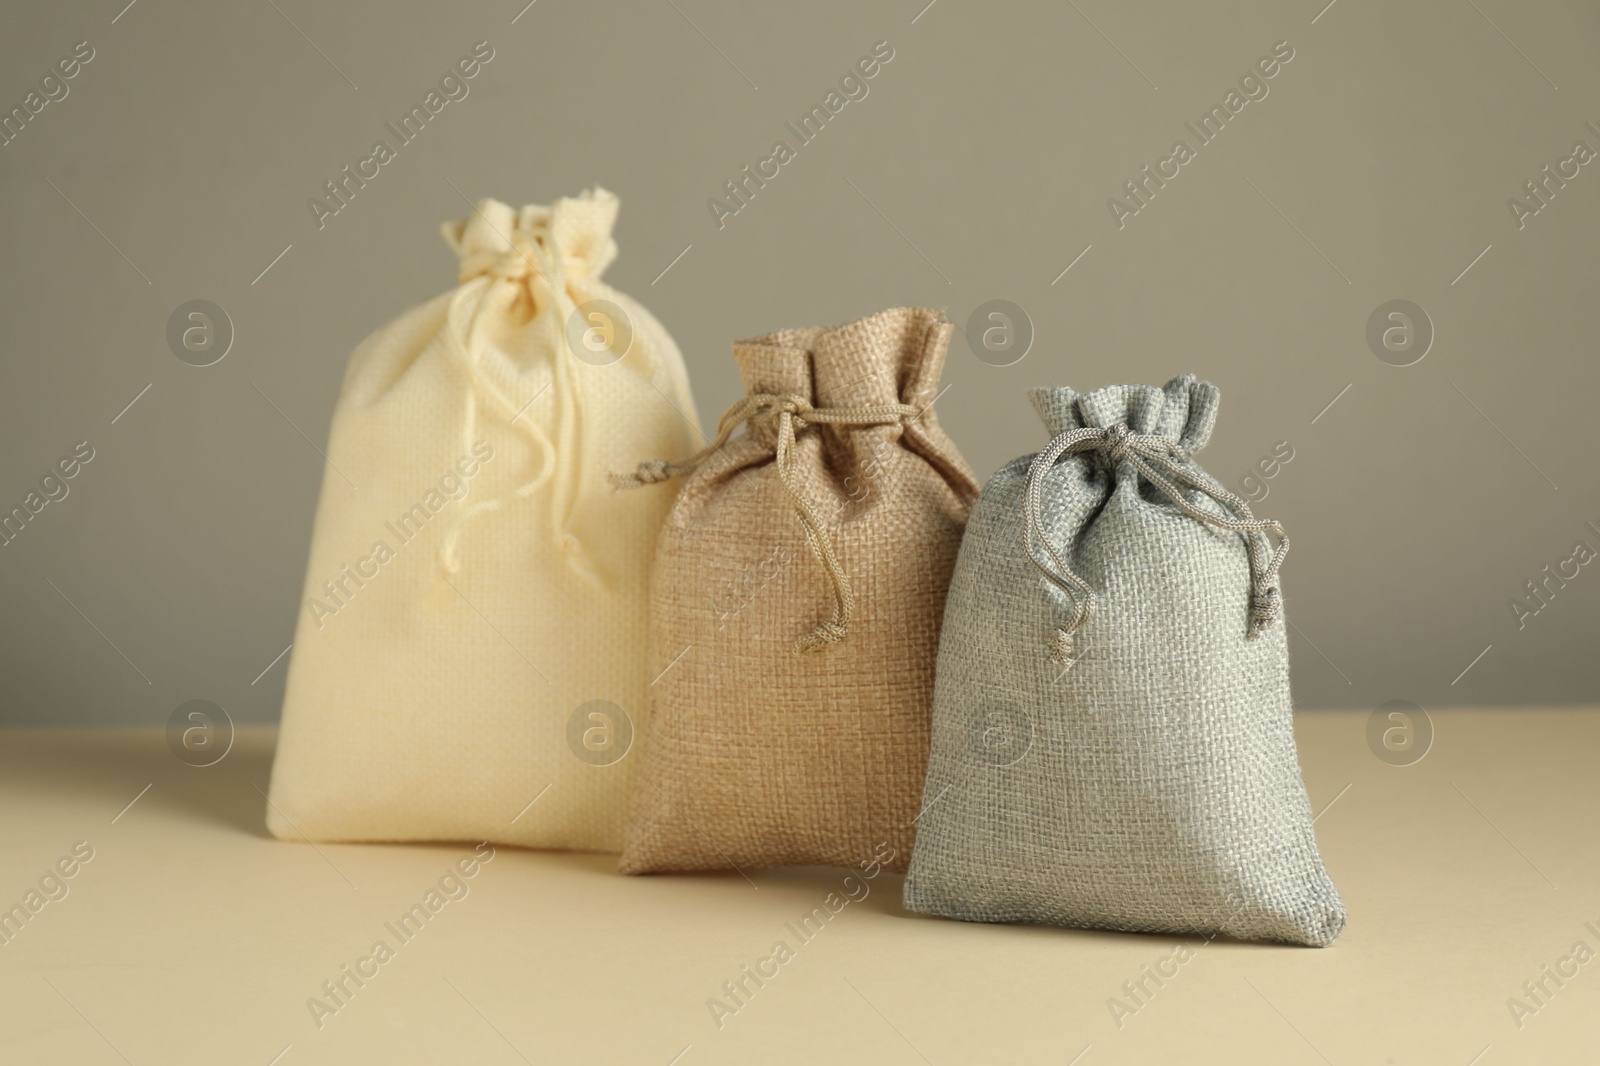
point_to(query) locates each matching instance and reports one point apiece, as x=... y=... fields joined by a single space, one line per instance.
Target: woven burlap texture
x=430 y=694
x=1150 y=783
x=754 y=753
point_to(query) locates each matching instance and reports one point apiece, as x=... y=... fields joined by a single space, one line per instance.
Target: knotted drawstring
x=528 y=259
x=1158 y=459
x=790 y=414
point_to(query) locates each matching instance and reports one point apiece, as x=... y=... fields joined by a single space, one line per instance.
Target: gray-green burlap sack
x=1112 y=737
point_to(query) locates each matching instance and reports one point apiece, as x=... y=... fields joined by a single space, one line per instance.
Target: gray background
x=1378 y=167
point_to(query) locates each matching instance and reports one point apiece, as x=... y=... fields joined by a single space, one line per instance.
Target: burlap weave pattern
x=754 y=754
x=1150 y=784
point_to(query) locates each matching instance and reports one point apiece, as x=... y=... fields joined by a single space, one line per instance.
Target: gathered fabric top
x=1173 y=423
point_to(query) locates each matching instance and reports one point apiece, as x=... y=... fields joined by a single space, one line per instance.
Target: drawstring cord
x=559 y=475
x=789 y=414
x=1158 y=459
x=567 y=476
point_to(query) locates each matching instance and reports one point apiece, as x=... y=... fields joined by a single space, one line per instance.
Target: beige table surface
x=193 y=937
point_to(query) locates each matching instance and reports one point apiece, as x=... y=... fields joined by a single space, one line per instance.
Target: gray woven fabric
x=1150 y=782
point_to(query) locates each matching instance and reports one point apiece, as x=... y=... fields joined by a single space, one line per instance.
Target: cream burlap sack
x=476 y=592
x=799 y=584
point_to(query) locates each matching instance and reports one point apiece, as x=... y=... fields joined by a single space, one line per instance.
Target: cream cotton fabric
x=473 y=579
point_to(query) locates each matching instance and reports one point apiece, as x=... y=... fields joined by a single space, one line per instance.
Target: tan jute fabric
x=779 y=732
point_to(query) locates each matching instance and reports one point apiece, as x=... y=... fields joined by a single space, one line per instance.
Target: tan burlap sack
x=795 y=606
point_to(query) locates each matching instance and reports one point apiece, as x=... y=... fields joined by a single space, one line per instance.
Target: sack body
x=1113 y=741
x=788 y=723
x=473 y=581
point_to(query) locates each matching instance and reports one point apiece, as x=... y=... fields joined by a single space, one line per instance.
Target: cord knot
x=1264 y=609
x=1159 y=460
x=829 y=632
x=653 y=471
x=1062 y=647
x=1115 y=440
x=647 y=473
x=796 y=407
x=775 y=419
